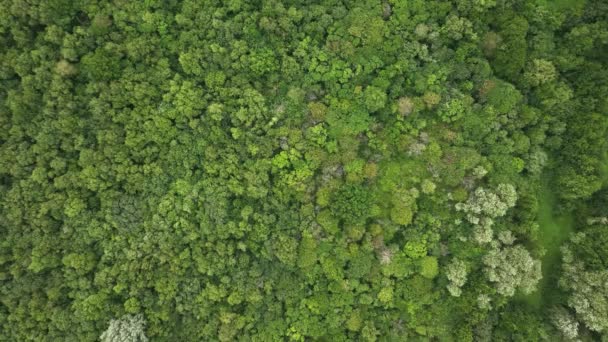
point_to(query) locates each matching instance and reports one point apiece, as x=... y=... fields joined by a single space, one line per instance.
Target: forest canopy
x=332 y=170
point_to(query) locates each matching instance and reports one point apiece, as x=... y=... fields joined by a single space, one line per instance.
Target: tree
x=429 y=267
x=404 y=206
x=565 y=323
x=405 y=106
x=484 y=203
x=512 y=268
x=581 y=156
x=306 y=253
x=456 y=273
x=585 y=276
x=454 y=108
x=539 y=72
x=512 y=51
x=502 y=96
x=101 y=65
x=128 y=328
x=428 y=187
x=375 y=98
x=351 y=204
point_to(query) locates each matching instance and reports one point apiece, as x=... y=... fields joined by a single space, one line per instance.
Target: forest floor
x=554 y=230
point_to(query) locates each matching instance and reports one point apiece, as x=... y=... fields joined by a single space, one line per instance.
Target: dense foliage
x=265 y=170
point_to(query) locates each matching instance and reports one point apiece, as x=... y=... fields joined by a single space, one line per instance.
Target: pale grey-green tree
x=512 y=268
x=485 y=203
x=129 y=328
x=456 y=273
x=588 y=291
x=565 y=323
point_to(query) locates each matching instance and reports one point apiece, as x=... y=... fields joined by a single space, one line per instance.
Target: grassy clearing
x=604 y=170
x=554 y=230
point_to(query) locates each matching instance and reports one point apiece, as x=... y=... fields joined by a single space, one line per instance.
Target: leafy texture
x=263 y=170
